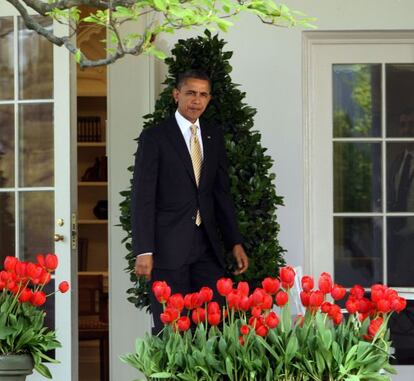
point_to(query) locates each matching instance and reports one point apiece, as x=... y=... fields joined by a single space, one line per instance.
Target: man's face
x=192 y=98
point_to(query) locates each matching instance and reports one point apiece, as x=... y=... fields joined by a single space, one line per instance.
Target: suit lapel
x=177 y=140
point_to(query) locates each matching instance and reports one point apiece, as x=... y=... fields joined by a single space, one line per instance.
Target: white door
x=35 y=165
x=359 y=132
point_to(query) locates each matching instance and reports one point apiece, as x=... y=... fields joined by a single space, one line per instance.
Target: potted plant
x=24 y=339
x=248 y=340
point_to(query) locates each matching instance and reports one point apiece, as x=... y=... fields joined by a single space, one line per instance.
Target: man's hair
x=192 y=73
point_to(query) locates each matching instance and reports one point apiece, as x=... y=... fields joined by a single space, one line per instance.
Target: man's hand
x=241 y=259
x=143 y=266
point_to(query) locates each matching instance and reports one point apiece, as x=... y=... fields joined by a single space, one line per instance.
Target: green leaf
x=161 y=375
x=78 y=56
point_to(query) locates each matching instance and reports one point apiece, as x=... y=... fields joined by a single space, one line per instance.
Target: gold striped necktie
x=197 y=160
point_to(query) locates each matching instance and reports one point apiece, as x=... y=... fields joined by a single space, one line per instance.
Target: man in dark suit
x=181 y=197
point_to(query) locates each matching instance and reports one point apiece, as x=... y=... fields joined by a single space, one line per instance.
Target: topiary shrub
x=252 y=184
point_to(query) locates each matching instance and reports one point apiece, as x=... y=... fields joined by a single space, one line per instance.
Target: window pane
x=6 y=58
x=400 y=100
x=400 y=170
x=358 y=250
x=36 y=145
x=7 y=225
x=35 y=62
x=357 y=177
x=400 y=251
x=6 y=146
x=356 y=100
x=36 y=224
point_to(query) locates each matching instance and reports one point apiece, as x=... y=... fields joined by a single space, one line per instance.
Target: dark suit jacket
x=165 y=197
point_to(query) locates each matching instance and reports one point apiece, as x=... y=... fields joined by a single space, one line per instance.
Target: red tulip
x=377 y=292
x=326 y=307
x=244 y=329
x=51 y=262
x=262 y=331
x=45 y=278
x=256 y=312
x=21 y=269
x=233 y=299
x=398 y=304
x=267 y=302
x=384 y=305
x=38 y=298
x=337 y=318
x=304 y=297
x=41 y=260
x=241 y=340
x=10 y=263
x=161 y=291
x=316 y=298
x=287 y=276
x=272 y=320
x=374 y=326
x=244 y=303
x=281 y=298
x=357 y=291
x=183 y=323
x=25 y=295
x=213 y=308
x=307 y=283
x=224 y=286
x=352 y=305
x=176 y=301
x=198 y=315
x=63 y=287
x=205 y=294
x=325 y=283
x=243 y=288
x=34 y=272
x=338 y=292
x=169 y=315
x=213 y=318
x=271 y=285
x=192 y=301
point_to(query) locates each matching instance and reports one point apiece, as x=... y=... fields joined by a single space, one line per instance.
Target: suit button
x=193 y=218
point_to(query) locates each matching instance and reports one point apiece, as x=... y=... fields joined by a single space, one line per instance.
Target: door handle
x=58 y=237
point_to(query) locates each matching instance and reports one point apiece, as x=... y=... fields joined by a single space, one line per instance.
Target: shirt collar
x=184 y=123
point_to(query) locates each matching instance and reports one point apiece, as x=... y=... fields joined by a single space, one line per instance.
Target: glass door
x=35 y=201
x=361 y=141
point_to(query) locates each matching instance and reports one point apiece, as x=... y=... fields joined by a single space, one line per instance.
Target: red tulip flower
x=287 y=276
x=304 y=298
x=205 y=294
x=325 y=283
x=10 y=263
x=38 y=298
x=63 y=286
x=51 y=262
x=198 y=315
x=316 y=298
x=272 y=320
x=398 y=304
x=169 y=316
x=281 y=298
x=224 y=286
x=338 y=292
x=270 y=285
x=374 y=326
x=213 y=318
x=244 y=329
x=161 y=291
x=183 y=323
x=357 y=291
x=176 y=301
x=262 y=331
x=243 y=289
x=307 y=283
x=213 y=308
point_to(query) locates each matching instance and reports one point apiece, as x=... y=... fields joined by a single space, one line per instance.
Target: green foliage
x=315 y=350
x=22 y=330
x=252 y=183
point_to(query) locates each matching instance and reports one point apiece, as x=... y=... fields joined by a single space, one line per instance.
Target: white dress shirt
x=185 y=128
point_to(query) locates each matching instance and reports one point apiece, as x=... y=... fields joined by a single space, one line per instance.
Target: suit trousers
x=202 y=268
